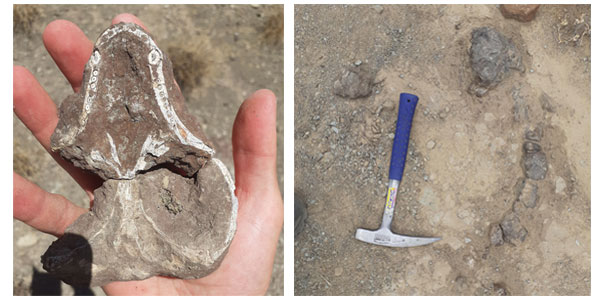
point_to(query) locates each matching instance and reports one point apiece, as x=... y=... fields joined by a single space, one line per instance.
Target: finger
x=33 y=106
x=260 y=213
x=128 y=18
x=70 y=49
x=255 y=143
x=50 y=213
x=37 y=111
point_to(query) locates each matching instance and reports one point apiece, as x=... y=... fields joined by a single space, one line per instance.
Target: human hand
x=246 y=269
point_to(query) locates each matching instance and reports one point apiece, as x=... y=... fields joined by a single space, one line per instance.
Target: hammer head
x=385 y=237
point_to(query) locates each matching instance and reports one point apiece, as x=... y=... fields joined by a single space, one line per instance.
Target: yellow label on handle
x=391 y=197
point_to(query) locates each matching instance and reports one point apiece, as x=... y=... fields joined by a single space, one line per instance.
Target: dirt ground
x=465 y=155
x=224 y=53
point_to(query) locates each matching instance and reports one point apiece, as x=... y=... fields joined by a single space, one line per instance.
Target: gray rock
x=430 y=144
x=492 y=57
x=496 y=235
x=531 y=147
x=300 y=214
x=546 y=103
x=500 y=290
x=520 y=107
x=355 y=82
x=528 y=194
x=378 y=8
x=512 y=229
x=560 y=185
x=535 y=165
x=518 y=207
x=167 y=206
x=534 y=134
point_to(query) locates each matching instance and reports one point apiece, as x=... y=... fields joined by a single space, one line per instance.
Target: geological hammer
x=384 y=235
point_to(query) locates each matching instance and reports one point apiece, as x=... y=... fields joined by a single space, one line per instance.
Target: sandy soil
x=465 y=156
x=232 y=50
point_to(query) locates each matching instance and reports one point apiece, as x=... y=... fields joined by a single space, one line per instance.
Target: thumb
x=260 y=212
x=255 y=145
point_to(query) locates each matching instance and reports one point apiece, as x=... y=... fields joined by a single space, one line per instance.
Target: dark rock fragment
x=492 y=57
x=520 y=107
x=546 y=103
x=355 y=82
x=500 y=289
x=534 y=134
x=512 y=229
x=496 y=235
x=535 y=165
x=531 y=147
x=528 y=194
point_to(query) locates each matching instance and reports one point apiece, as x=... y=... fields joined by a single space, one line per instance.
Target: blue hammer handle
x=406 y=111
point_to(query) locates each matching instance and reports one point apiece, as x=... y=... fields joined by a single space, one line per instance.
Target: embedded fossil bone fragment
x=167 y=206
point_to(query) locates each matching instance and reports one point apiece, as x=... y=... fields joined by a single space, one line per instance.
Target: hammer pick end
x=385 y=237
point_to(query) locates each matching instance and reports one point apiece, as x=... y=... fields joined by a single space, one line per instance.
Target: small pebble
x=560 y=185
x=358 y=63
x=338 y=271
x=430 y=144
x=27 y=240
x=488 y=117
x=528 y=194
x=378 y=8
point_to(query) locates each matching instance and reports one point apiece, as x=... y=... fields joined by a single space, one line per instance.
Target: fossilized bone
x=128 y=124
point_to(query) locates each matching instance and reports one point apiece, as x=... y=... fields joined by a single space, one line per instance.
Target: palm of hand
x=246 y=269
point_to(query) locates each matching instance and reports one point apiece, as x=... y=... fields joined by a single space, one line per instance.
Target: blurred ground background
x=221 y=54
x=464 y=161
